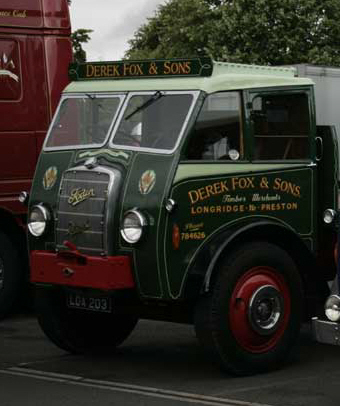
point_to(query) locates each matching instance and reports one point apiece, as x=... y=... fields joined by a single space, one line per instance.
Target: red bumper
x=70 y=268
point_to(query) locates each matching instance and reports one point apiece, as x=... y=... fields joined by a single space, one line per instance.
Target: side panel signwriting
x=208 y=205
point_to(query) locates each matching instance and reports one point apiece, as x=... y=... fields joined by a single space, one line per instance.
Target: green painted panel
x=145 y=189
x=45 y=188
x=209 y=203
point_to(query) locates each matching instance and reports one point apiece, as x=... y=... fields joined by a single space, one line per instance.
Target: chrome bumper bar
x=326 y=332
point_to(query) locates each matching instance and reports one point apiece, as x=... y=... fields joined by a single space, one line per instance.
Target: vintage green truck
x=184 y=190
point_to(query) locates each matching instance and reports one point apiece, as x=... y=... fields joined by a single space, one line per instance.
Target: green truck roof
x=221 y=76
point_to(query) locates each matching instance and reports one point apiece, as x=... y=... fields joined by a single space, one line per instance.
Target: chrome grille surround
x=82 y=215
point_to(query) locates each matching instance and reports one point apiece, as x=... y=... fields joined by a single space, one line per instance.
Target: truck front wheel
x=80 y=331
x=251 y=318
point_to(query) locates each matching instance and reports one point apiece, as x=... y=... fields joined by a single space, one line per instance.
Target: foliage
x=179 y=28
x=78 y=38
x=271 y=32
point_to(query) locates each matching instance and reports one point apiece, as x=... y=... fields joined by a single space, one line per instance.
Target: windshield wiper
x=156 y=96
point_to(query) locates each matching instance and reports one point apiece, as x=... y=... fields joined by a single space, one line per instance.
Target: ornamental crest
x=50 y=178
x=147 y=182
x=75 y=229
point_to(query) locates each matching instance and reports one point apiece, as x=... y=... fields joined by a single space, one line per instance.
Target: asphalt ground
x=159 y=364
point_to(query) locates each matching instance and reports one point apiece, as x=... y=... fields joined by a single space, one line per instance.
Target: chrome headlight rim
x=133 y=233
x=332 y=308
x=38 y=228
x=329 y=216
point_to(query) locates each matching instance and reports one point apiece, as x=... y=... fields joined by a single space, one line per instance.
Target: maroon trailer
x=35 y=51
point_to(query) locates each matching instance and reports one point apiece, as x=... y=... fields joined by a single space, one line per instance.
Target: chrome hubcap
x=266 y=310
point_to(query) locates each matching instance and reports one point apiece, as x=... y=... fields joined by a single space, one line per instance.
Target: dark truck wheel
x=11 y=276
x=80 y=331
x=251 y=319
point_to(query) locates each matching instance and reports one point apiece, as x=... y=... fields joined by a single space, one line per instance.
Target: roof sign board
x=161 y=68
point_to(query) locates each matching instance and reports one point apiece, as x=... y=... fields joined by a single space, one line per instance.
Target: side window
x=217 y=133
x=281 y=126
x=10 y=77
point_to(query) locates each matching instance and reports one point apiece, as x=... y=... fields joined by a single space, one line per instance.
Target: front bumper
x=326 y=332
x=70 y=268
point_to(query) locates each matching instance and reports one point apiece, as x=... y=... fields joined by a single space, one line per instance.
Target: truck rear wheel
x=251 y=318
x=11 y=276
x=78 y=331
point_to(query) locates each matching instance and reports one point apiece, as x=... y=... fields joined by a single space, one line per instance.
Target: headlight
x=332 y=308
x=132 y=226
x=38 y=219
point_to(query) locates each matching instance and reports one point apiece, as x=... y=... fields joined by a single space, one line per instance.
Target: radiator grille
x=81 y=211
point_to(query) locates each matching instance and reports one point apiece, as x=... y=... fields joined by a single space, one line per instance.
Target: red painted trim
x=73 y=269
x=245 y=335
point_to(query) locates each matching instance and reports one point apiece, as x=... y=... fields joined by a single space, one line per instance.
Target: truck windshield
x=84 y=120
x=153 y=121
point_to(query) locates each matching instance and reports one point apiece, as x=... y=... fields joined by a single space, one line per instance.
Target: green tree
x=78 y=38
x=180 y=27
x=271 y=32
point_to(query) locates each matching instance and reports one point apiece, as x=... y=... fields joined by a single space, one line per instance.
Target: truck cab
x=35 y=51
x=183 y=190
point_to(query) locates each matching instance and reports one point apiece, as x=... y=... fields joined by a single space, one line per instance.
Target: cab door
x=282 y=131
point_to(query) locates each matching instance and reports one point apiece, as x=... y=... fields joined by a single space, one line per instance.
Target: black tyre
x=79 y=331
x=251 y=319
x=11 y=276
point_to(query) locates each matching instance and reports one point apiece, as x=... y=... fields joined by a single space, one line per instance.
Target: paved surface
x=160 y=364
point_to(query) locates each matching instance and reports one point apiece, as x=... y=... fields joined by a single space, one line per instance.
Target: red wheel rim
x=259 y=309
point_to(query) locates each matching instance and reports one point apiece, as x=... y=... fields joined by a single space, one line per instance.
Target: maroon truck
x=35 y=51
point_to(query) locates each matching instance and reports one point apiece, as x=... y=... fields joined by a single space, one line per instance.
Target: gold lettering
x=113 y=70
x=19 y=13
x=182 y=68
x=116 y=70
x=89 y=71
x=287 y=187
x=243 y=183
x=103 y=71
x=126 y=69
x=224 y=186
x=167 y=68
x=4 y=13
x=276 y=183
x=176 y=68
x=193 y=196
x=153 y=69
x=209 y=190
x=97 y=71
x=132 y=69
x=202 y=193
x=109 y=70
x=278 y=206
x=139 y=69
x=79 y=195
x=217 y=188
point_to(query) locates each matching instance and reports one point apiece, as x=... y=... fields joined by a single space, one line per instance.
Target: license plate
x=91 y=303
